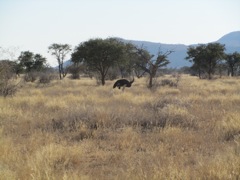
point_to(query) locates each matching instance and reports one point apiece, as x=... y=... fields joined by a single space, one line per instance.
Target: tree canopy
x=151 y=64
x=233 y=62
x=99 y=55
x=60 y=51
x=205 y=58
x=30 y=62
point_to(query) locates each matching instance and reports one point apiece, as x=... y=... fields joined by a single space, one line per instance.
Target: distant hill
x=231 y=41
x=177 y=58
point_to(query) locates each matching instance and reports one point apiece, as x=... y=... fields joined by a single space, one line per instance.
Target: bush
x=42 y=77
x=75 y=71
x=8 y=85
x=112 y=74
x=171 y=82
x=45 y=78
x=168 y=82
x=31 y=77
x=8 y=88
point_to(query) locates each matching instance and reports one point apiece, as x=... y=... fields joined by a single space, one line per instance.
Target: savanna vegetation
x=166 y=126
x=74 y=129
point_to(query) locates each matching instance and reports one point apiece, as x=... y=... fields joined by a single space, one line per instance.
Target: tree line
x=99 y=55
x=209 y=58
x=102 y=56
x=96 y=56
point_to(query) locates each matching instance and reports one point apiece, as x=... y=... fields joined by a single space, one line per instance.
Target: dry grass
x=77 y=130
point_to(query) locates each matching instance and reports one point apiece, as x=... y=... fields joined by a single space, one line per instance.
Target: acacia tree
x=26 y=60
x=99 y=55
x=196 y=56
x=39 y=62
x=132 y=61
x=60 y=51
x=233 y=62
x=30 y=62
x=125 y=65
x=151 y=65
x=214 y=55
x=205 y=58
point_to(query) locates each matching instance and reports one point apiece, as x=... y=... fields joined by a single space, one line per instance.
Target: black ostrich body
x=123 y=83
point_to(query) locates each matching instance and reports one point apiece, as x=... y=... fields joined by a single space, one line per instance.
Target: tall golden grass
x=76 y=130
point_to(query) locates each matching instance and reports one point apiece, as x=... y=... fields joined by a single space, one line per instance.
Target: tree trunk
x=209 y=75
x=122 y=72
x=150 y=81
x=59 y=70
x=64 y=72
x=103 y=80
x=199 y=73
x=232 y=72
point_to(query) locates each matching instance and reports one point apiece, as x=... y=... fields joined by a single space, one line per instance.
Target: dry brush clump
x=75 y=129
x=8 y=80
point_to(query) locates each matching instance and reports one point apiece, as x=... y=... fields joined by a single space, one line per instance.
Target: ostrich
x=123 y=83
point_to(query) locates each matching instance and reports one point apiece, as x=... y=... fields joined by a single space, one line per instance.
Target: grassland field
x=74 y=129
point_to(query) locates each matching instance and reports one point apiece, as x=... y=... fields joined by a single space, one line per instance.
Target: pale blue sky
x=35 y=24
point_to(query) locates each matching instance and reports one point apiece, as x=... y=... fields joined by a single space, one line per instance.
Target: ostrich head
x=130 y=83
